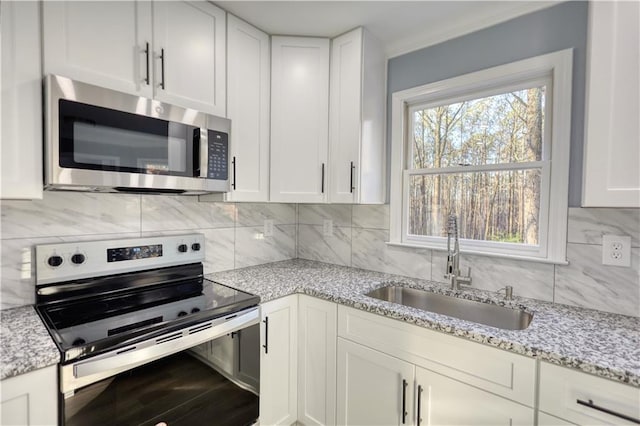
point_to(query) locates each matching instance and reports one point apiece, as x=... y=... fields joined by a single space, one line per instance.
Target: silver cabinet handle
x=322 y=180
x=404 y=401
x=162 y=85
x=233 y=162
x=146 y=53
x=590 y=404
x=351 y=187
x=419 y=411
x=266 y=335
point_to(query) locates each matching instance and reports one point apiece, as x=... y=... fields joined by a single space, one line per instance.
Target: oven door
x=175 y=379
x=103 y=140
x=188 y=388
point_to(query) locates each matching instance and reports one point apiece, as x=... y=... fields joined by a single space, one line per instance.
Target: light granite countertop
x=25 y=344
x=599 y=343
x=596 y=342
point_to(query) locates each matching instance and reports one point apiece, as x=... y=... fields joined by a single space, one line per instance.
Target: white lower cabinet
x=378 y=389
x=30 y=399
x=373 y=387
x=444 y=401
x=545 y=419
x=317 y=361
x=278 y=361
x=383 y=364
x=583 y=399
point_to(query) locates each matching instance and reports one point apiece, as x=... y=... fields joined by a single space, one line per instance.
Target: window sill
x=485 y=254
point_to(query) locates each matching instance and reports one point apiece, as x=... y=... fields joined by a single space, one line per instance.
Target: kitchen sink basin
x=469 y=310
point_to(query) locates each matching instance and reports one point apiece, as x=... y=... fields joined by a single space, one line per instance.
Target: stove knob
x=182 y=313
x=79 y=341
x=55 y=261
x=182 y=248
x=195 y=246
x=78 y=258
x=195 y=310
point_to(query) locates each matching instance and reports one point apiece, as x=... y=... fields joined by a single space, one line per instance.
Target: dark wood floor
x=178 y=390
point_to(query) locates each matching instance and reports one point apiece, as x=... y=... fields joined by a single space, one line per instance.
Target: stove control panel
x=87 y=259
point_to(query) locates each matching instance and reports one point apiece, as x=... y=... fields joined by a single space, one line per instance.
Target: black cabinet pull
x=266 y=335
x=162 y=68
x=351 y=188
x=146 y=53
x=322 y=180
x=404 y=401
x=590 y=404
x=419 y=411
x=234 y=173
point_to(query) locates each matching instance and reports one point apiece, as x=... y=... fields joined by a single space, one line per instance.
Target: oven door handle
x=97 y=368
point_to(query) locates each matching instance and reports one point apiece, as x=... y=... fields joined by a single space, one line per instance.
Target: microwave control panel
x=218 y=162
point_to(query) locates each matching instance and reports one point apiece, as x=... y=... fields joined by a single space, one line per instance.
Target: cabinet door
x=445 y=401
x=21 y=169
x=278 y=362
x=357 y=119
x=345 y=114
x=317 y=361
x=99 y=42
x=373 y=388
x=299 y=119
x=545 y=419
x=248 y=97
x=612 y=149
x=189 y=55
x=31 y=398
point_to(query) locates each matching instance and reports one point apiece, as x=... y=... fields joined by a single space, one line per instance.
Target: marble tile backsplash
x=235 y=238
x=234 y=232
x=583 y=282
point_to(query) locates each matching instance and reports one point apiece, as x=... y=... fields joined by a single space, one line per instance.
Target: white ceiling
x=401 y=26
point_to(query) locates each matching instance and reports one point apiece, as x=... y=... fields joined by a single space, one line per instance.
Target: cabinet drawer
x=506 y=374
x=561 y=389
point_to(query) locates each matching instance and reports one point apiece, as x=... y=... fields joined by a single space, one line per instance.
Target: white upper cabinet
x=299 y=119
x=173 y=51
x=189 y=47
x=612 y=150
x=356 y=120
x=21 y=83
x=248 y=97
x=102 y=43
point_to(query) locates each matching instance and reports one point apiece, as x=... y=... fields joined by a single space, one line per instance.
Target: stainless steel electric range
x=115 y=305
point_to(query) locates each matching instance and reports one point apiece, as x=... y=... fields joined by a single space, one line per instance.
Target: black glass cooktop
x=97 y=323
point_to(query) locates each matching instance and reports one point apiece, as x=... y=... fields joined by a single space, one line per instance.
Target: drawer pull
x=590 y=404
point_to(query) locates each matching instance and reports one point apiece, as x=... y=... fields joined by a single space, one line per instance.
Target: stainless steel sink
x=480 y=312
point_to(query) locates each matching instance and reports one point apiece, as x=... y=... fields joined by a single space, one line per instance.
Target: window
x=480 y=146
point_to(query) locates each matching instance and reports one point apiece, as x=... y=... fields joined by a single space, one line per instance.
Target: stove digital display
x=132 y=253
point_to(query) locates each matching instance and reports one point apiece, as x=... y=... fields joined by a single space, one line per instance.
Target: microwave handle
x=203 y=143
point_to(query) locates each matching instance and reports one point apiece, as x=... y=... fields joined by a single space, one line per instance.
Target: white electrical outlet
x=268 y=228
x=327 y=229
x=616 y=250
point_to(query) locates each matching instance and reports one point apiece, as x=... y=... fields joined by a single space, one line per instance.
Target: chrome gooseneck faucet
x=453 y=257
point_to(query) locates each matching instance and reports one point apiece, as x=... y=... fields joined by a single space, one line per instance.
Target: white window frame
x=555 y=69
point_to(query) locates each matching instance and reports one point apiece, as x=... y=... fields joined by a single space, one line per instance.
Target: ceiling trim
x=463 y=27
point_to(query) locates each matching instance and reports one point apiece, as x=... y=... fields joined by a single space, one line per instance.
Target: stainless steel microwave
x=98 y=139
